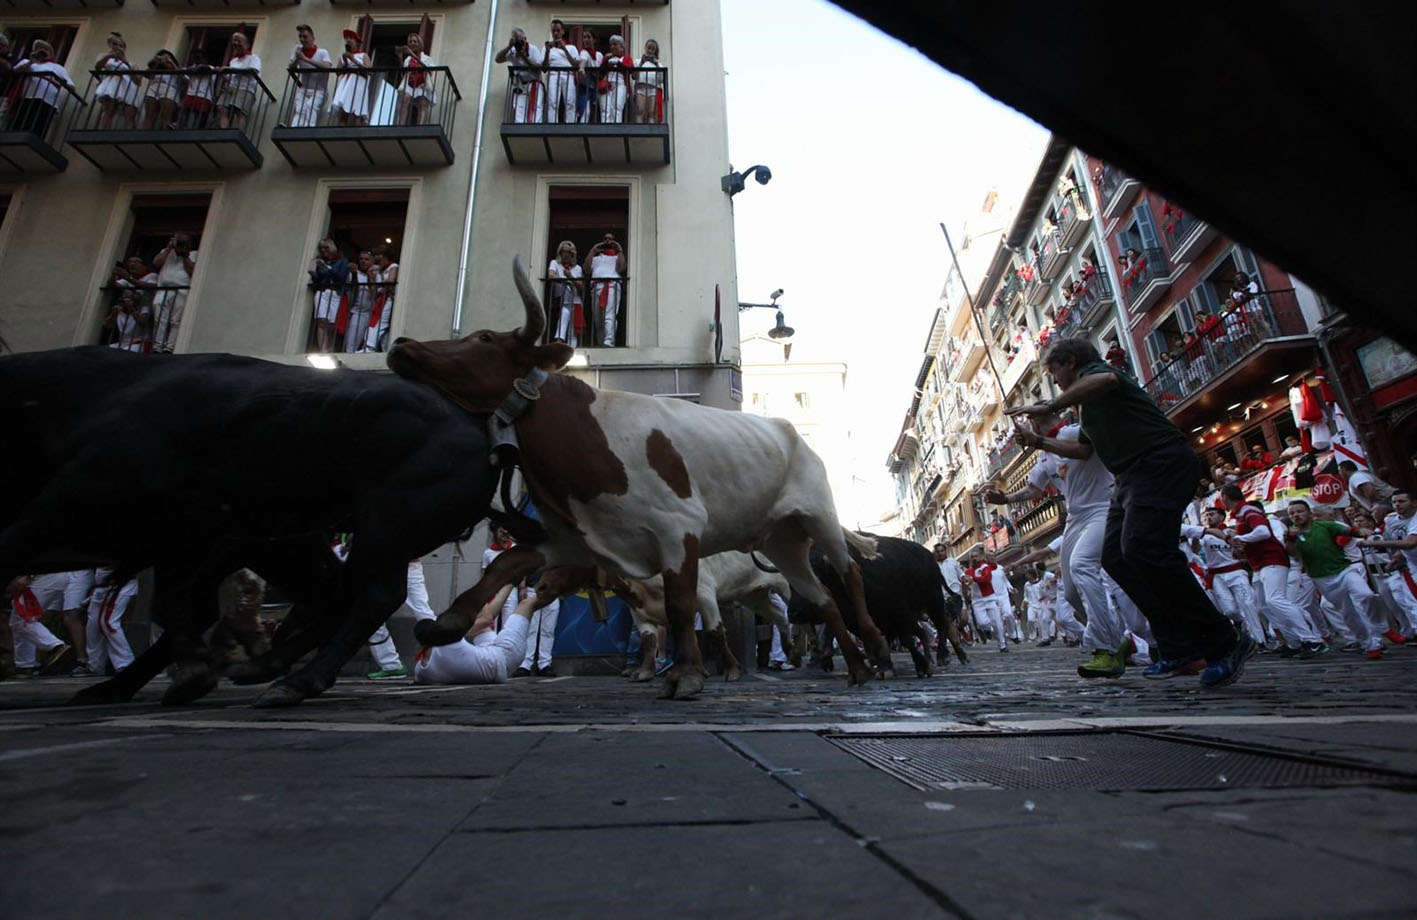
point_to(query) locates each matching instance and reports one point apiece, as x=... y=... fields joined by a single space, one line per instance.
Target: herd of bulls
x=199 y=465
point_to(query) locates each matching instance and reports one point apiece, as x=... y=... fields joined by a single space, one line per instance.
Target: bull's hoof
x=259 y=671
x=886 y=673
x=191 y=684
x=827 y=664
x=433 y=632
x=795 y=660
x=689 y=686
x=671 y=684
x=288 y=692
x=103 y=694
x=859 y=676
x=643 y=675
x=732 y=673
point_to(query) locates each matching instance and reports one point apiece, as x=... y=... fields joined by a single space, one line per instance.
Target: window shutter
x=625 y=34
x=1146 y=227
x=425 y=32
x=365 y=27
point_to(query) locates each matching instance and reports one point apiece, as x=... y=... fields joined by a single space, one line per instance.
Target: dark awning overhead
x=1286 y=123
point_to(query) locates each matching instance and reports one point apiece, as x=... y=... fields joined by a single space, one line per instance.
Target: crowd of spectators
x=559 y=82
x=148 y=301
x=353 y=300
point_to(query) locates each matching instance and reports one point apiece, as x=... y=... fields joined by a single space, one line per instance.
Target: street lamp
x=781 y=331
x=733 y=183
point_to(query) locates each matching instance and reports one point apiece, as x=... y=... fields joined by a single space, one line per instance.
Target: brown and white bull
x=642 y=486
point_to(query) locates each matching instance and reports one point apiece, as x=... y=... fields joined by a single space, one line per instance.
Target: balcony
x=157 y=133
x=1116 y=189
x=142 y=319
x=1186 y=237
x=1018 y=364
x=1036 y=291
x=351 y=318
x=969 y=353
x=1039 y=520
x=592 y=315
x=374 y=118
x=1095 y=299
x=1073 y=219
x=1050 y=257
x=1000 y=457
x=1241 y=356
x=30 y=131
x=628 y=128
x=1146 y=280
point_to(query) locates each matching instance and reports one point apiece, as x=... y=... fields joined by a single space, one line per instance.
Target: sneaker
x=1044 y=643
x=83 y=670
x=24 y=673
x=1228 y=669
x=781 y=666
x=662 y=665
x=57 y=660
x=521 y=672
x=963 y=658
x=1165 y=668
x=1287 y=652
x=1003 y=648
x=1395 y=637
x=388 y=673
x=1351 y=646
x=545 y=672
x=1311 y=650
x=1102 y=664
x=1373 y=654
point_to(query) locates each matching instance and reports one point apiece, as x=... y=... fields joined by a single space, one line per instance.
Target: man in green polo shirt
x=1341 y=581
x=1156 y=473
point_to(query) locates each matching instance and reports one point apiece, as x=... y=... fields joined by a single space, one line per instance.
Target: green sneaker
x=1102 y=664
x=394 y=674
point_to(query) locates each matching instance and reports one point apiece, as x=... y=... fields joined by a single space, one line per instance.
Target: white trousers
x=1406 y=601
x=612 y=104
x=561 y=97
x=541 y=633
x=103 y=634
x=381 y=644
x=308 y=104
x=989 y=610
x=1336 y=623
x=1236 y=600
x=1067 y=618
x=487 y=659
x=1272 y=595
x=1127 y=611
x=1350 y=593
x=1082 y=577
x=1042 y=614
x=777 y=653
x=31 y=637
x=1305 y=596
x=605 y=304
x=527 y=105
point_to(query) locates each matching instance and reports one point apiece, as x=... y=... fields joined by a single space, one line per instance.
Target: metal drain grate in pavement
x=1102 y=761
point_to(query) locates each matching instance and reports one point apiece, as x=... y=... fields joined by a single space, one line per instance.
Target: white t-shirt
x=569 y=292
x=531 y=61
x=592 y=59
x=604 y=265
x=1002 y=586
x=321 y=56
x=1364 y=477
x=1033 y=593
x=952 y=573
x=1398 y=528
x=36 y=87
x=240 y=83
x=562 y=57
x=1084 y=483
x=174 y=271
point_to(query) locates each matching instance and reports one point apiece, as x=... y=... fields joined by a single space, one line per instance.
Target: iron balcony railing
x=351 y=318
x=1149 y=266
x=1191 y=366
x=187 y=99
x=1176 y=226
x=361 y=97
x=577 y=310
x=1111 y=180
x=142 y=318
x=39 y=104
x=620 y=95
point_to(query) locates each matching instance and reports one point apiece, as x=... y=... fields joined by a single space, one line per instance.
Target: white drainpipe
x=472 y=171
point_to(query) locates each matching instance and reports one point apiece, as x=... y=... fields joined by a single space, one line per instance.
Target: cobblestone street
x=588 y=797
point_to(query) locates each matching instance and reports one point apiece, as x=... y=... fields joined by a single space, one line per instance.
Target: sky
x=871 y=146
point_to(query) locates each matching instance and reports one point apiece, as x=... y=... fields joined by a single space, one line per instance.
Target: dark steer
x=177 y=462
x=901 y=583
x=641 y=486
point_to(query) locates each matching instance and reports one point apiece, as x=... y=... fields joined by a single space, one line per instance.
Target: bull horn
x=535 y=314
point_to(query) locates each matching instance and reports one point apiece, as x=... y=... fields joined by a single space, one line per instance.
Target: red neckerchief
x=1053 y=432
x=27 y=606
x=311 y=53
x=415 y=64
x=499 y=546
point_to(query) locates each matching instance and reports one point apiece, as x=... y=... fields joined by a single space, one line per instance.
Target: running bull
x=639 y=486
x=197 y=465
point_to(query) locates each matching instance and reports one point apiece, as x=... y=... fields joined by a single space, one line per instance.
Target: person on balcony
x=329 y=272
x=164 y=92
x=1116 y=356
x=355 y=326
x=175 y=264
x=351 y=102
x=1257 y=459
x=528 y=92
x=310 y=84
x=565 y=274
x=42 y=81
x=588 y=78
x=416 y=91
x=201 y=91
x=117 y=93
x=126 y=325
x=606 y=267
x=386 y=276
x=559 y=62
x=241 y=83
x=649 y=87
x=614 y=85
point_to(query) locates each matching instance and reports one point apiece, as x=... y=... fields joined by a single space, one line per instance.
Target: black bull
x=200 y=464
x=902 y=582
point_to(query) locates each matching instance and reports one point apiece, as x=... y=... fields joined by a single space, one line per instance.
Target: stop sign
x=1327 y=489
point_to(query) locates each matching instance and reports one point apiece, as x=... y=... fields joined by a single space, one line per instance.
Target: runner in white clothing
x=560 y=60
x=486 y=656
x=1226 y=577
x=1086 y=486
x=1400 y=536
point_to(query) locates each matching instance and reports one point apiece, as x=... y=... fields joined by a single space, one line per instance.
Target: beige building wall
x=249 y=293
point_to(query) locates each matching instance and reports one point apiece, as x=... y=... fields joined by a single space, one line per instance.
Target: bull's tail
x=763 y=566
x=864 y=545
